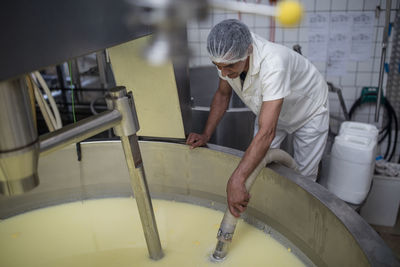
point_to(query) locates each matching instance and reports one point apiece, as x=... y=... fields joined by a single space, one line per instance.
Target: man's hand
x=238 y=197
x=196 y=140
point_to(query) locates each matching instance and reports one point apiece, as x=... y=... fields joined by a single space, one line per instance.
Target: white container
x=382 y=204
x=359 y=129
x=351 y=167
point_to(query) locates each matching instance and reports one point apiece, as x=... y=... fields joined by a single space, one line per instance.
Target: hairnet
x=229 y=41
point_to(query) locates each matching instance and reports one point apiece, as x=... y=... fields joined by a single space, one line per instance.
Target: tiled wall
x=358 y=74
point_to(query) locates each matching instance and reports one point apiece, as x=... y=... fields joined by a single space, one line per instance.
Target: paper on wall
x=339 y=43
x=362 y=35
x=318 y=28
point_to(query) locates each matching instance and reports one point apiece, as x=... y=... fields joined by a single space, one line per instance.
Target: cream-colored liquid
x=108 y=232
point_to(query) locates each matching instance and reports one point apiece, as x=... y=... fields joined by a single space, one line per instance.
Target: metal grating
x=393 y=81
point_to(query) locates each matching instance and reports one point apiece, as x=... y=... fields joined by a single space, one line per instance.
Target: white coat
x=276 y=72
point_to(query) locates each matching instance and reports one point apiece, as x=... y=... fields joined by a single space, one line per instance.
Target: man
x=284 y=90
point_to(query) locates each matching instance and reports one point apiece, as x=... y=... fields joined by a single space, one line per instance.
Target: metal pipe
x=122 y=101
x=383 y=58
x=142 y=195
x=18 y=139
x=79 y=131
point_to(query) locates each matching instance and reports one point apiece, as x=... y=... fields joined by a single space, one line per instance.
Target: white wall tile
x=290 y=35
x=217 y=18
x=203 y=49
x=348 y=80
x=340 y=5
x=377 y=65
x=365 y=65
x=351 y=66
x=378 y=34
x=323 y=5
x=308 y=5
x=248 y=19
x=261 y=21
x=278 y=35
x=370 y=5
x=392 y=15
x=232 y=15
x=304 y=21
x=303 y=35
x=349 y=93
x=355 y=5
x=363 y=79
x=204 y=35
x=193 y=35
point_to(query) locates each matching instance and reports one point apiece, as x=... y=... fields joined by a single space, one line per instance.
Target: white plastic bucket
x=351 y=167
x=359 y=129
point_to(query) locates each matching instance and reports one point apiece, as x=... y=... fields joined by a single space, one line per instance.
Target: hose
x=50 y=97
x=387 y=129
x=228 y=223
x=44 y=108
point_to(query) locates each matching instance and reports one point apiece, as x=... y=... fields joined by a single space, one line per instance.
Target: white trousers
x=308 y=143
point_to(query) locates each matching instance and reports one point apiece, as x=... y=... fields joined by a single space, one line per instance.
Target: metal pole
x=79 y=131
x=142 y=195
x=122 y=101
x=383 y=58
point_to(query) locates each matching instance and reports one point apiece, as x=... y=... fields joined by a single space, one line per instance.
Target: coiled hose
x=387 y=130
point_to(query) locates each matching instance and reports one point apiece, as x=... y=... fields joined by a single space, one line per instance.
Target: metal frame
x=17 y=152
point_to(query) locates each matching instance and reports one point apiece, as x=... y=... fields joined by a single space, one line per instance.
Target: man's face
x=232 y=70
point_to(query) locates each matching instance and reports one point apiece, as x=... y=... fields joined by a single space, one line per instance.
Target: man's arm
x=219 y=105
x=238 y=197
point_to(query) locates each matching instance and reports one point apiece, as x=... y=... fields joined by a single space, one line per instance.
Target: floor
x=391 y=235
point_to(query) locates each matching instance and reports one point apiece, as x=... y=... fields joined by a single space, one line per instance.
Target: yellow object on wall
x=154 y=90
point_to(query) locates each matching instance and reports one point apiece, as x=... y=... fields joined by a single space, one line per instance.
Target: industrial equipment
x=325 y=230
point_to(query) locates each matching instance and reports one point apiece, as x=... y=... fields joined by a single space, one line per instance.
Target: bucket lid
x=359 y=129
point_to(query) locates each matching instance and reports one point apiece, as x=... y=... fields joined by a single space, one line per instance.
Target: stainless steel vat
x=324 y=228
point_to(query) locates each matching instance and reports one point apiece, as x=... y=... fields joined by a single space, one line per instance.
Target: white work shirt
x=276 y=72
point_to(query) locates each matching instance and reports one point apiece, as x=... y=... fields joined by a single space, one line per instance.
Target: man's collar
x=254 y=64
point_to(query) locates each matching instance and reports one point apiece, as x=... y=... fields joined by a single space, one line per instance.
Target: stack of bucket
x=352 y=161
